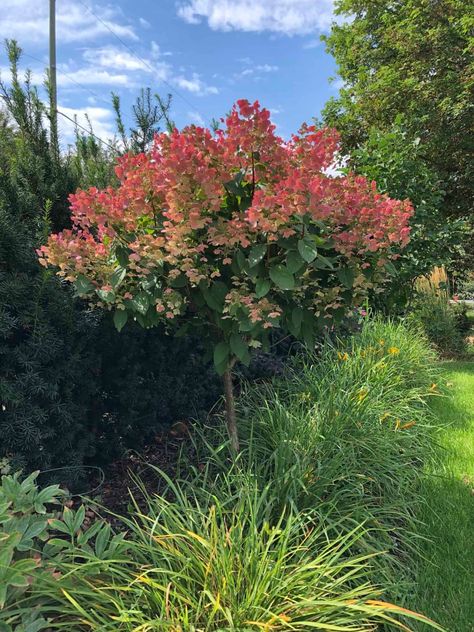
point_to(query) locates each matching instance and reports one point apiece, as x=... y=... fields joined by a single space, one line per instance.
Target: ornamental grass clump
x=197 y=563
x=345 y=434
x=232 y=233
x=311 y=526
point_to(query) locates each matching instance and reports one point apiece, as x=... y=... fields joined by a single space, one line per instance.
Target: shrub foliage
x=70 y=389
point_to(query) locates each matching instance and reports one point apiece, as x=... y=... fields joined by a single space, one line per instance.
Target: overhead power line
x=137 y=56
x=88 y=131
x=72 y=79
x=76 y=124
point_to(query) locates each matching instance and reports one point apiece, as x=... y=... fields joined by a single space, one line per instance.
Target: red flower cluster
x=172 y=211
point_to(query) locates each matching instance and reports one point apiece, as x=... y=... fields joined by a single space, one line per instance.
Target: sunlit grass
x=446 y=577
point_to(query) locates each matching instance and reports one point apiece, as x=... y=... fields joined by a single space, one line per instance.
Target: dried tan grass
x=436 y=284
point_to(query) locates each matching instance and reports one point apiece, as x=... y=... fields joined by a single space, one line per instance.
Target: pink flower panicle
x=171 y=214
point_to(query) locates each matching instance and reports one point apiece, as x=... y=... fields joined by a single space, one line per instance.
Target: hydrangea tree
x=234 y=233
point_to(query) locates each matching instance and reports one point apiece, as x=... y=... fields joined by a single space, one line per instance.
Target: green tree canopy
x=392 y=159
x=410 y=57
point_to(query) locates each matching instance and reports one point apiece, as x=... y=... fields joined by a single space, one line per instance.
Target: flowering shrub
x=233 y=233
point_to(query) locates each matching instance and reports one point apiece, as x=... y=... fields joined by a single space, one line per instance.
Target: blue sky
x=207 y=53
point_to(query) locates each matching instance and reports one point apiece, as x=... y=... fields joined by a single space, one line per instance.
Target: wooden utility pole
x=53 y=94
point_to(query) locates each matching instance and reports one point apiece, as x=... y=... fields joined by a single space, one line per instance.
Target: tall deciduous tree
x=392 y=158
x=413 y=58
x=231 y=234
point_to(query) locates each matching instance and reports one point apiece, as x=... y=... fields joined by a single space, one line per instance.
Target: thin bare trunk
x=230 y=410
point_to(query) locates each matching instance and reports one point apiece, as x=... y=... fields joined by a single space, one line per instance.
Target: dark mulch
x=110 y=490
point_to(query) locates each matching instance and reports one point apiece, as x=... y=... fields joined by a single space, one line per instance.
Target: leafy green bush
x=24 y=522
x=466 y=288
x=441 y=322
x=461 y=314
x=47 y=362
x=394 y=159
x=34 y=541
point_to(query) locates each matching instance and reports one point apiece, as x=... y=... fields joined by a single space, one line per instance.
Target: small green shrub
x=35 y=542
x=463 y=321
x=24 y=523
x=466 y=288
x=441 y=323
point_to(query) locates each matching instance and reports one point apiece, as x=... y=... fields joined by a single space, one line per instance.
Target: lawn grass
x=446 y=576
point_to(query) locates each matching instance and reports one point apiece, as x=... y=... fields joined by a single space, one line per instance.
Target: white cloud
x=196 y=118
x=101 y=120
x=290 y=17
x=113 y=66
x=157 y=52
x=113 y=57
x=93 y=77
x=28 y=21
x=255 y=71
x=101 y=64
x=37 y=75
x=266 y=68
x=195 y=85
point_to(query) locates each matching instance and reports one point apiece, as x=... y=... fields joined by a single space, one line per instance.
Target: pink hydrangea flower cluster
x=172 y=215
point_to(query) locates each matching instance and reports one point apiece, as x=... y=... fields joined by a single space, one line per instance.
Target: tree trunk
x=230 y=411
